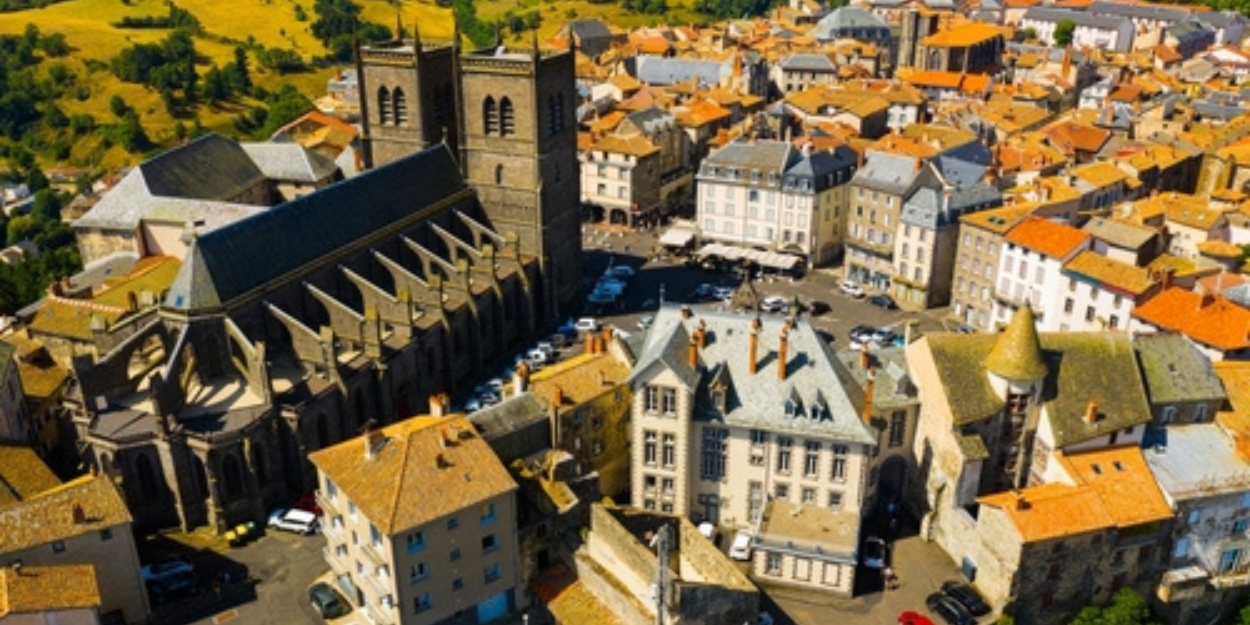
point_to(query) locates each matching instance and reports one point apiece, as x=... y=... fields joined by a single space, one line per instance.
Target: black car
x=817 y=308
x=882 y=300
x=967 y=596
x=949 y=609
x=326 y=601
x=861 y=334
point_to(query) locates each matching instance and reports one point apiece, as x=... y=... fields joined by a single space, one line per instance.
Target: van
x=298 y=521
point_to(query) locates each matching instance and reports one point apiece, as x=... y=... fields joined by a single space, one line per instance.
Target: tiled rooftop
x=35 y=589
x=1211 y=320
x=49 y=516
x=23 y=474
x=1047 y=237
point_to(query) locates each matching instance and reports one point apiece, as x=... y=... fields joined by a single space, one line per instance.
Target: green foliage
x=280 y=109
x=176 y=18
x=281 y=60
x=481 y=33
x=168 y=67
x=521 y=23
x=648 y=7
x=1064 y=30
x=1127 y=607
x=335 y=23
x=733 y=9
x=9 y=6
x=300 y=14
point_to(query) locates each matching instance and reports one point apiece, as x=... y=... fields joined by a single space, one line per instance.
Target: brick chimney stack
x=1091 y=412
x=784 y=341
x=694 y=350
x=521 y=379
x=754 y=350
x=701 y=335
x=80 y=517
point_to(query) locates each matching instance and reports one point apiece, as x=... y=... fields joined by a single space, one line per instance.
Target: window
x=489 y=543
x=455 y=554
x=1113 y=322
x=759 y=437
x=401 y=106
x=809 y=496
x=491 y=573
x=651 y=402
x=452 y=523
x=898 y=428
x=1068 y=304
x=58 y=546
x=332 y=491
x=1240 y=525
x=375 y=535
x=1089 y=313
x=457 y=584
x=648 y=447
x=418 y=572
x=835 y=500
x=811 y=458
x=648 y=482
x=106 y=534
x=422 y=603
x=755 y=500
x=490 y=116
x=714 y=453
x=670 y=401
x=667 y=485
x=488 y=513
x=416 y=542
x=670 y=450
x=384 y=105
x=1200 y=412
x=839 y=463
x=781 y=492
x=783 y=454
x=507 y=118
x=772 y=564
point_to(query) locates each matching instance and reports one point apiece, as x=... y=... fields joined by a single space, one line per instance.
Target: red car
x=308 y=503
x=913 y=618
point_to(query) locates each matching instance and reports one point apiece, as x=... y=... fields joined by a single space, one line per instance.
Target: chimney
x=557 y=395
x=603 y=378
x=701 y=335
x=870 y=392
x=864 y=361
x=694 y=349
x=753 y=352
x=1091 y=412
x=521 y=379
x=590 y=343
x=685 y=312
x=438 y=404
x=373 y=434
x=1206 y=300
x=781 y=348
x=80 y=517
x=1021 y=503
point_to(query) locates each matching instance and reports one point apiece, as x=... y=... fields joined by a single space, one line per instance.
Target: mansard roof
x=228 y=262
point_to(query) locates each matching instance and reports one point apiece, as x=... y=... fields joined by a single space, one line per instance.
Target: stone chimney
x=701 y=335
x=694 y=350
x=685 y=312
x=521 y=379
x=865 y=362
x=80 y=517
x=753 y=351
x=590 y=343
x=1021 y=502
x=783 y=343
x=557 y=395
x=373 y=436
x=1091 y=412
x=870 y=391
x=438 y=404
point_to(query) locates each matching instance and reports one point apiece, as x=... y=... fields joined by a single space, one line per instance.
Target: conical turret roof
x=1017 y=355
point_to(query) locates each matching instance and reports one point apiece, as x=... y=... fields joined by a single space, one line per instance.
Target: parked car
x=173 y=588
x=623 y=272
x=298 y=521
x=587 y=324
x=913 y=618
x=166 y=569
x=702 y=292
x=473 y=405
x=874 y=553
x=740 y=549
x=967 y=596
x=308 y=503
x=326 y=601
x=861 y=334
x=949 y=609
x=881 y=300
x=966 y=329
x=815 y=307
x=850 y=288
x=723 y=292
x=883 y=337
x=547 y=348
x=646 y=322
x=764 y=619
x=601 y=297
x=774 y=303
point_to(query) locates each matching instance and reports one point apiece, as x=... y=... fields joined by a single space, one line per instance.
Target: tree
x=1030 y=34
x=1127 y=607
x=216 y=87
x=240 y=77
x=1063 y=32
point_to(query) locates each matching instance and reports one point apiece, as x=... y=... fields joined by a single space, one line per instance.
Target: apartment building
x=1113 y=33
x=802 y=71
x=420 y=522
x=877 y=193
x=1101 y=294
x=981 y=240
x=770 y=194
x=83 y=522
x=1030 y=267
x=733 y=413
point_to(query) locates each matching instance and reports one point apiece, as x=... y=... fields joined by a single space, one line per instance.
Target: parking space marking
x=226 y=617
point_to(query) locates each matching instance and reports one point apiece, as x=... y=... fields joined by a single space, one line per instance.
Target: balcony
x=378 y=615
x=1232 y=579
x=328 y=507
x=1182 y=584
x=373 y=554
x=380 y=586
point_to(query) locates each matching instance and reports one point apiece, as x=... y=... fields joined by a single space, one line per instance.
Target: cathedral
x=283 y=329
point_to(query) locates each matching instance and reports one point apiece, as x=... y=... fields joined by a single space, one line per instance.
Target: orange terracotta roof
x=1216 y=283
x=1101 y=174
x=1221 y=249
x=702 y=112
x=1125 y=92
x=633 y=145
x=1117 y=275
x=1052 y=511
x=1235 y=375
x=971 y=84
x=1123 y=482
x=1047 y=237
x=607 y=123
x=1211 y=320
x=898 y=144
x=963 y=36
x=1069 y=137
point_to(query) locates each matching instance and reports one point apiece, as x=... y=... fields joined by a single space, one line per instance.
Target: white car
x=708 y=530
x=774 y=303
x=851 y=289
x=741 y=547
x=298 y=521
x=646 y=322
x=587 y=324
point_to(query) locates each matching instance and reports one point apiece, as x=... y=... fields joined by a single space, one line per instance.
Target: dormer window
x=718 y=399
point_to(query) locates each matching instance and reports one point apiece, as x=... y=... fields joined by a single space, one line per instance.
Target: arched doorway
x=892 y=481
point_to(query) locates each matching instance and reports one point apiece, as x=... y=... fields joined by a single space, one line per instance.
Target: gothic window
x=490 y=116
x=401 y=107
x=507 y=118
x=234 y=477
x=384 y=105
x=147 y=478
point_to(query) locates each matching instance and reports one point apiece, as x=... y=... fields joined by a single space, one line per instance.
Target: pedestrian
x=886 y=574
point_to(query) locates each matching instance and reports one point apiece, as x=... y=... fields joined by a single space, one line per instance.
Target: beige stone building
x=731 y=414
x=83 y=522
x=420 y=522
x=981 y=239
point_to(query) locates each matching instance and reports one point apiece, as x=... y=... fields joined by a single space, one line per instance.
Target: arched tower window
x=147 y=478
x=384 y=105
x=490 y=119
x=507 y=118
x=401 y=106
x=234 y=477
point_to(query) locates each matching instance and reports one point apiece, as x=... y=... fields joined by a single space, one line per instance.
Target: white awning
x=772 y=260
x=677 y=237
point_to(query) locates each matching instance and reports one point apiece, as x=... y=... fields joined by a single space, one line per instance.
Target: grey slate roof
x=815 y=171
x=1080 y=18
x=1190 y=29
x=766 y=156
x=758 y=400
x=1139 y=11
x=846 y=19
x=289 y=162
x=805 y=62
x=129 y=202
x=885 y=171
x=652 y=119
x=660 y=71
x=1119 y=233
x=290 y=236
x=514 y=428
x=1175 y=370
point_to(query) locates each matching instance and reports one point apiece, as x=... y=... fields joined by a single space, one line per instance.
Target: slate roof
x=755 y=400
x=1141 y=11
x=883 y=171
x=814 y=171
x=211 y=167
x=292 y=235
x=424 y=469
x=1081 y=366
x=514 y=428
x=655 y=70
x=1198 y=461
x=848 y=18
x=1174 y=370
x=1119 y=233
x=36 y=589
x=290 y=162
x=1080 y=18
x=131 y=201
x=49 y=517
x=23 y=474
x=766 y=156
x=806 y=62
